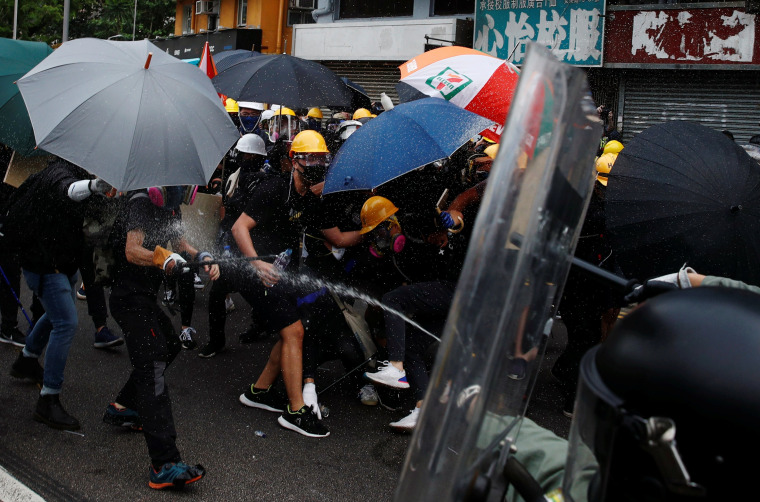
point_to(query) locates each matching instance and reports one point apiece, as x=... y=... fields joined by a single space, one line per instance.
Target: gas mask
x=172 y=196
x=387 y=237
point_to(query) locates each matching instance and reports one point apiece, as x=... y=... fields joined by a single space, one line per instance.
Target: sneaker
x=197 y=282
x=169 y=297
x=50 y=412
x=105 y=338
x=27 y=367
x=229 y=305
x=368 y=395
x=13 y=335
x=517 y=368
x=81 y=293
x=186 y=337
x=122 y=418
x=263 y=399
x=210 y=350
x=568 y=406
x=175 y=475
x=303 y=421
x=409 y=422
x=388 y=375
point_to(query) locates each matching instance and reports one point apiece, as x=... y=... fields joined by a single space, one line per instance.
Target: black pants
x=184 y=284
x=582 y=304
x=152 y=344
x=424 y=300
x=96 y=297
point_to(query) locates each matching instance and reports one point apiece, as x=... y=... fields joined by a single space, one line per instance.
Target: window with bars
x=187 y=19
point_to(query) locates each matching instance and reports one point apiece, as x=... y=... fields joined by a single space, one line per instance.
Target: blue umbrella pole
x=31 y=324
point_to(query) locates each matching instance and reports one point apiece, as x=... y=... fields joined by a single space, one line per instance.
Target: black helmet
x=668 y=408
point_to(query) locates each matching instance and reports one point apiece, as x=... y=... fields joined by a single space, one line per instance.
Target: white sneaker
x=197 y=282
x=186 y=338
x=409 y=422
x=368 y=395
x=389 y=375
x=229 y=305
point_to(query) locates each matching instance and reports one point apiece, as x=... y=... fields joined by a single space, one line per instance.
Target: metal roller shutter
x=374 y=76
x=718 y=99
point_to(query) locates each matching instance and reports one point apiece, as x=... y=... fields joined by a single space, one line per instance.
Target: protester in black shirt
x=273 y=221
x=141 y=232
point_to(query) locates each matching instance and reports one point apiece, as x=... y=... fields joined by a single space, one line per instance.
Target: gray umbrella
x=134 y=119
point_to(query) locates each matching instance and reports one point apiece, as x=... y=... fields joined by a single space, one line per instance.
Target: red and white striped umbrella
x=470 y=79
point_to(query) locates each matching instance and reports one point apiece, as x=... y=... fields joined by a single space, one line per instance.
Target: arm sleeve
x=711 y=280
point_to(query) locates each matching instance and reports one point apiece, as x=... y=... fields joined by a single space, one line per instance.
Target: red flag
x=206 y=64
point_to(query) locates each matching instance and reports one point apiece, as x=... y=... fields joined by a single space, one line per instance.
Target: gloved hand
x=178 y=262
x=446 y=219
x=310 y=398
x=659 y=285
x=99 y=186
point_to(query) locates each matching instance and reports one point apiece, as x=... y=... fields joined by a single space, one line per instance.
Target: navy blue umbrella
x=400 y=140
x=225 y=59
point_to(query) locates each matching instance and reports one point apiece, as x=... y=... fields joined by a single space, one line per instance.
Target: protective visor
x=601 y=426
x=313 y=166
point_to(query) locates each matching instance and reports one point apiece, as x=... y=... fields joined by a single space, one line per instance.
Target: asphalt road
x=360 y=460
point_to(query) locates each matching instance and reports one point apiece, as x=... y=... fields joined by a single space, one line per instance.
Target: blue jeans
x=56 y=328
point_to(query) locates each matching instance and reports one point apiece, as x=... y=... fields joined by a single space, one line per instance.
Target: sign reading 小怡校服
x=571 y=29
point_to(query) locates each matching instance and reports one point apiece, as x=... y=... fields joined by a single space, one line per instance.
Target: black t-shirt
x=282 y=215
x=159 y=226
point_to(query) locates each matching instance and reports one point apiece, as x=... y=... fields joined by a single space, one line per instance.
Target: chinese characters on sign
x=571 y=29
x=694 y=36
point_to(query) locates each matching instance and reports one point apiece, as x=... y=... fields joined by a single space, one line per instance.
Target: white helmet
x=251 y=143
x=267 y=114
x=347 y=128
x=253 y=105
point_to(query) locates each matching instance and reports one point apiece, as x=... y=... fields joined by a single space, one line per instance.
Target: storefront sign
x=690 y=36
x=571 y=29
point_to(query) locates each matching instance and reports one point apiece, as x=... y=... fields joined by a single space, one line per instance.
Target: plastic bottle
x=282 y=261
x=267 y=167
x=226 y=253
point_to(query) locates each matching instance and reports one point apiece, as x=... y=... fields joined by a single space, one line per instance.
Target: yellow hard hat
x=231 y=106
x=285 y=111
x=361 y=113
x=308 y=142
x=315 y=112
x=604 y=166
x=492 y=150
x=375 y=211
x=613 y=146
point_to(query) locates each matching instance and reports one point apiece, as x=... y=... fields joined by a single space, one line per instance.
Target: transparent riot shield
x=518 y=259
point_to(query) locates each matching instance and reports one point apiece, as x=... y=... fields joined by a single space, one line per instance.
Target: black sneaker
x=50 y=412
x=304 y=421
x=263 y=399
x=210 y=349
x=13 y=336
x=27 y=367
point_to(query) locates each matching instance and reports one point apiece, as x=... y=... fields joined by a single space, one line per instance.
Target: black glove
x=649 y=289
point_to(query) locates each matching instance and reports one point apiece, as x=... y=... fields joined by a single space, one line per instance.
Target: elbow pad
x=79 y=190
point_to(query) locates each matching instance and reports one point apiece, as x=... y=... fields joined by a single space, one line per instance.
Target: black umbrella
x=359 y=97
x=225 y=59
x=682 y=192
x=282 y=79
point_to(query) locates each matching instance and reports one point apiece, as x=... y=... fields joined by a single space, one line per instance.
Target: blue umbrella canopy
x=409 y=136
x=225 y=59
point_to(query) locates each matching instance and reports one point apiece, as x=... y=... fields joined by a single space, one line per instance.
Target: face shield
x=612 y=451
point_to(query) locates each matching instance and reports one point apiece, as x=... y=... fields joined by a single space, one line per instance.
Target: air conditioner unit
x=303 y=4
x=206 y=7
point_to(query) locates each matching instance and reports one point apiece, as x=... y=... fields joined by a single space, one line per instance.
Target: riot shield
x=518 y=259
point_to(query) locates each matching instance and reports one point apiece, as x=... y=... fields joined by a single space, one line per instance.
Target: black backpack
x=18 y=219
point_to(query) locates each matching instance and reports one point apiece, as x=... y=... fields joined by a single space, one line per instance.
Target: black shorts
x=276 y=307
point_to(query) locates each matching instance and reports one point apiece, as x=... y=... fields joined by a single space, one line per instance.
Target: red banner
x=682 y=36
